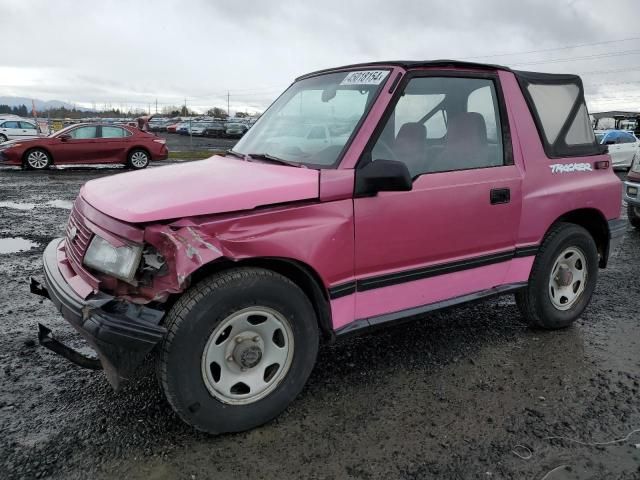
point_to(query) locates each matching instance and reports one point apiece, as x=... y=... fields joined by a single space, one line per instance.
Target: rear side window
x=627 y=138
x=27 y=126
x=560 y=113
x=114 y=132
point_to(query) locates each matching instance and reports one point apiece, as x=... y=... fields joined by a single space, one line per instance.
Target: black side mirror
x=610 y=142
x=383 y=176
x=65 y=137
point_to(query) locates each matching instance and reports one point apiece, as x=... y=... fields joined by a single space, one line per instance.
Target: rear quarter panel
x=546 y=195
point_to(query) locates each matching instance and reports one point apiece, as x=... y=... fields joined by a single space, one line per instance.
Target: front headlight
x=635 y=165
x=120 y=262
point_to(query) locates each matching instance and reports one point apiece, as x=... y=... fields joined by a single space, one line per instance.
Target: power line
x=605 y=72
x=575 y=59
x=567 y=47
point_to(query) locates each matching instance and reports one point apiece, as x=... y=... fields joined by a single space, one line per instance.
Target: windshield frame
x=363 y=118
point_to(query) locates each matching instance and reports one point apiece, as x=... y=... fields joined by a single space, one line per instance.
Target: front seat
x=466 y=144
x=411 y=147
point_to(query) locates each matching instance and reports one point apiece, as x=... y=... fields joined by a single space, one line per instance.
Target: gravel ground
x=464 y=394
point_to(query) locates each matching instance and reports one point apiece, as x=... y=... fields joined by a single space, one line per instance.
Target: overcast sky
x=130 y=53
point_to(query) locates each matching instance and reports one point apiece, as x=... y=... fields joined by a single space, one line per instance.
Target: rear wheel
x=138 y=159
x=633 y=212
x=239 y=348
x=562 y=280
x=37 y=159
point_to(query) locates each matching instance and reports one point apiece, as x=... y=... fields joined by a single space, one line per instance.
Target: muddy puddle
x=15 y=245
x=63 y=204
x=18 y=206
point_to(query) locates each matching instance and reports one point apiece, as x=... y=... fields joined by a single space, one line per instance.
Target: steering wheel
x=385 y=152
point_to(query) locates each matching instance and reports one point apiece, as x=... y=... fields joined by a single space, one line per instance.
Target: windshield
x=314 y=119
x=63 y=130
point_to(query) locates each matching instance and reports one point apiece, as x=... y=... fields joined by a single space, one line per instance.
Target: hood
x=215 y=185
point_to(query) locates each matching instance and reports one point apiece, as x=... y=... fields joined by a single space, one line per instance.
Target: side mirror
x=65 y=137
x=610 y=142
x=383 y=176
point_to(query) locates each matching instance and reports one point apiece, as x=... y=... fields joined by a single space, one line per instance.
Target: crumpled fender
x=185 y=250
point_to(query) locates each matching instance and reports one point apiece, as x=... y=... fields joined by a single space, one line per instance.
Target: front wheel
x=562 y=280
x=633 y=212
x=239 y=348
x=3 y=138
x=37 y=159
x=138 y=159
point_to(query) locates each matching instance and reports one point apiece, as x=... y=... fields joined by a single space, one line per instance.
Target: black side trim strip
x=395 y=278
x=432 y=271
x=365 y=323
x=526 y=251
x=342 y=290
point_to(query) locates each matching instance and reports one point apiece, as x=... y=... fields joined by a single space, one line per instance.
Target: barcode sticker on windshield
x=365 y=77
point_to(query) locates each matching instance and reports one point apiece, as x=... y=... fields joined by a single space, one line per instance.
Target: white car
x=623 y=146
x=16 y=129
x=198 y=129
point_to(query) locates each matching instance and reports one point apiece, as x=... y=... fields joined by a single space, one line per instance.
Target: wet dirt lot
x=464 y=394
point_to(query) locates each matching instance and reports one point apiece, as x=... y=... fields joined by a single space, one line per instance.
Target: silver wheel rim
x=568 y=278
x=139 y=159
x=247 y=355
x=3 y=139
x=37 y=159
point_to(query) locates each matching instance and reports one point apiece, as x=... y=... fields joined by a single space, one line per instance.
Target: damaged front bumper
x=121 y=333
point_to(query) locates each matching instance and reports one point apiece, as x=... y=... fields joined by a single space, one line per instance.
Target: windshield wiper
x=235 y=154
x=270 y=158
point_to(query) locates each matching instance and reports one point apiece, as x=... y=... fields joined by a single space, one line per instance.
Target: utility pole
x=156 y=106
x=228 y=110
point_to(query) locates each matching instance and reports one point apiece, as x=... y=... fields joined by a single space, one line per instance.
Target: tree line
x=62 y=112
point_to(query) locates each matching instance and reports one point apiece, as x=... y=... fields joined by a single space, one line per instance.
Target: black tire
x=3 y=138
x=36 y=159
x=193 y=319
x=633 y=212
x=138 y=159
x=534 y=302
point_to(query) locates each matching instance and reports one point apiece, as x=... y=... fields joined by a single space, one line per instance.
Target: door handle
x=500 y=195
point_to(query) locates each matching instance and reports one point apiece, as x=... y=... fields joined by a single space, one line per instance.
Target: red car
x=86 y=143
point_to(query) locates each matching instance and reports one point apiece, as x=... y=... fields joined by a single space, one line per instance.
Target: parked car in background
x=172 y=128
x=235 y=130
x=86 y=144
x=198 y=129
x=632 y=193
x=215 y=129
x=623 y=146
x=17 y=128
x=183 y=128
x=229 y=270
x=158 y=124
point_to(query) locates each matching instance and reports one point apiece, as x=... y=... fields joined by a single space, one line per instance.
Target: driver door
x=454 y=233
x=81 y=147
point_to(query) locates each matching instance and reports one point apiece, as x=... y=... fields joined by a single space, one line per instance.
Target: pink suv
x=413 y=186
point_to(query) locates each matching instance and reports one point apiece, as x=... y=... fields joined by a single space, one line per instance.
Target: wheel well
x=24 y=155
x=299 y=273
x=594 y=222
x=145 y=149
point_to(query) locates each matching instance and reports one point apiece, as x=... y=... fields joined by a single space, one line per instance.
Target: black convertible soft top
x=570 y=140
